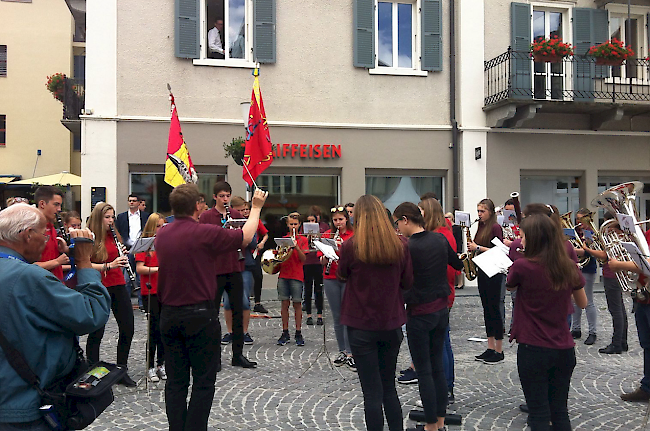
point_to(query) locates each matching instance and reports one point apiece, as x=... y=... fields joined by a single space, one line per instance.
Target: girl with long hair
x=427 y=306
x=545 y=280
x=377 y=266
x=106 y=259
x=334 y=287
x=146 y=264
x=489 y=288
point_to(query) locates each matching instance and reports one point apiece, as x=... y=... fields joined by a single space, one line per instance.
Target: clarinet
x=240 y=255
x=120 y=252
x=61 y=231
x=337 y=236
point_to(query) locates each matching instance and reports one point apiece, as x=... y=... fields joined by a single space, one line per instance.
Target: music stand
x=322 y=351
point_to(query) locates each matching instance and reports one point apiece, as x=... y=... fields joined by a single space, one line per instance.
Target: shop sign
x=307 y=151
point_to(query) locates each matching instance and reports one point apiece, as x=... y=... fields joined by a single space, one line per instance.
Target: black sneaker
x=341 y=359
x=591 y=339
x=486 y=354
x=284 y=339
x=259 y=308
x=409 y=377
x=495 y=358
x=300 y=341
x=576 y=334
x=127 y=381
x=450 y=397
x=351 y=363
x=319 y=321
x=227 y=338
x=248 y=340
x=309 y=321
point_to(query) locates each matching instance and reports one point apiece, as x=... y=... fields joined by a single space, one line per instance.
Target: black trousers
x=490 y=291
x=545 y=376
x=192 y=339
x=313 y=284
x=426 y=339
x=616 y=307
x=375 y=353
x=156 y=349
x=233 y=285
x=123 y=312
x=257 y=281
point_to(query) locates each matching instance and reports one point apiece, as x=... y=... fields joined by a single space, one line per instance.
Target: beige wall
x=581 y=155
x=387 y=152
x=39 y=40
x=313 y=79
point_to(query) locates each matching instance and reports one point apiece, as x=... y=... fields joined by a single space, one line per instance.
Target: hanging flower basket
x=235 y=149
x=56 y=85
x=551 y=50
x=611 y=53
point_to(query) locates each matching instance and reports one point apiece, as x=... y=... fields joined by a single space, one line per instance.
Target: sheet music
x=638 y=257
x=284 y=242
x=235 y=222
x=493 y=261
x=504 y=248
x=330 y=242
x=310 y=228
x=327 y=250
x=462 y=219
x=143 y=245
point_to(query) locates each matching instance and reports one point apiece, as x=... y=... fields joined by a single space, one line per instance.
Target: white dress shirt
x=135 y=227
x=214 y=41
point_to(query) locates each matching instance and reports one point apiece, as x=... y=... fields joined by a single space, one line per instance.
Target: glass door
x=548 y=78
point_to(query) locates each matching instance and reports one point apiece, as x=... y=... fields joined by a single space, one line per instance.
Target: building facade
x=360 y=99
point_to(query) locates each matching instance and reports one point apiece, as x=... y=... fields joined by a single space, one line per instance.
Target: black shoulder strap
x=17 y=361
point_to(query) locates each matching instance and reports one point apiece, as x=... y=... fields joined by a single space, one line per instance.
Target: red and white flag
x=258 y=153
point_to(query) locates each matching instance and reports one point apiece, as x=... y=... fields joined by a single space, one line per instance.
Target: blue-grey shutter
x=264 y=34
x=590 y=27
x=432 y=35
x=187 y=29
x=364 y=33
x=521 y=63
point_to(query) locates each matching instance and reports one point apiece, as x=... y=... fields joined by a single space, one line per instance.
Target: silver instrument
x=240 y=254
x=337 y=238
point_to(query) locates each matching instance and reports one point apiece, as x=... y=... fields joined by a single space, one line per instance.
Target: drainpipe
x=452 y=104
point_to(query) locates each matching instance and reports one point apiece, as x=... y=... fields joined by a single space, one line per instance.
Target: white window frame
x=415 y=69
x=246 y=62
x=566 y=9
x=620 y=11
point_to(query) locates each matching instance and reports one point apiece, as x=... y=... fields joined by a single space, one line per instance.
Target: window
x=3 y=60
x=392 y=191
x=289 y=193
x=549 y=78
x=563 y=192
x=3 y=130
x=227 y=35
x=398 y=37
x=631 y=33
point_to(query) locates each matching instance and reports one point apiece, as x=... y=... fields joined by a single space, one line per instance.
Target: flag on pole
x=258 y=153
x=179 y=168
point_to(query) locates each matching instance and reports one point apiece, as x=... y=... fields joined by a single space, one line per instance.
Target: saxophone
x=469 y=267
x=120 y=252
x=337 y=238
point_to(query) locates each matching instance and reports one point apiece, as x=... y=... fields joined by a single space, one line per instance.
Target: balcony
x=517 y=89
x=73 y=103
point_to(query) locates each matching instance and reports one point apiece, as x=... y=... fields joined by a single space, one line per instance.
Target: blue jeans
x=334 y=291
x=642 y=317
x=448 y=361
x=289 y=289
x=247 y=276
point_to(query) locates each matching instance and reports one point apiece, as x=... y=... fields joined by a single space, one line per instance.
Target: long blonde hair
x=433 y=215
x=375 y=240
x=152 y=222
x=96 y=225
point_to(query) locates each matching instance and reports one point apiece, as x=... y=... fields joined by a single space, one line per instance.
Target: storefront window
x=298 y=192
x=394 y=190
x=153 y=188
x=563 y=192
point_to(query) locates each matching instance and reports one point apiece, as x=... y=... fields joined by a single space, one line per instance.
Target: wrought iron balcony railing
x=514 y=75
x=73 y=98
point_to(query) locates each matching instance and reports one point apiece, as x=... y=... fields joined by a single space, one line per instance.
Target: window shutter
x=600 y=34
x=187 y=28
x=432 y=35
x=590 y=27
x=520 y=62
x=264 y=34
x=364 y=33
x=3 y=60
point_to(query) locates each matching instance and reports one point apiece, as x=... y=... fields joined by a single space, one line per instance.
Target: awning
x=4 y=179
x=63 y=178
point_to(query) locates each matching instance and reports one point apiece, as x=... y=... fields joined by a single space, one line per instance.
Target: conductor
x=187 y=286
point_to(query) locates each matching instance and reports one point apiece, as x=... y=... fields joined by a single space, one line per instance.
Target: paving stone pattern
x=275 y=397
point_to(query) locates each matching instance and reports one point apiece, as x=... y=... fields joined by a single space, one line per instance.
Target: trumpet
x=469 y=267
x=120 y=252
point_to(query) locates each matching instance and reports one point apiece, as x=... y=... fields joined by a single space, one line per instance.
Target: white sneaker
x=161 y=372
x=418 y=403
x=152 y=375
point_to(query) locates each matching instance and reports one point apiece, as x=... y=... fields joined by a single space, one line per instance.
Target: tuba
x=576 y=242
x=622 y=199
x=272 y=259
x=469 y=267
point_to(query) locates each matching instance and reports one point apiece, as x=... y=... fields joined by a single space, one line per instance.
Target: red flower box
x=547 y=58
x=608 y=61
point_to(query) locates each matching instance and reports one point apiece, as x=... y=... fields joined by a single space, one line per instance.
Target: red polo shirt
x=292 y=267
x=335 y=265
x=149 y=259
x=227 y=263
x=51 y=251
x=114 y=276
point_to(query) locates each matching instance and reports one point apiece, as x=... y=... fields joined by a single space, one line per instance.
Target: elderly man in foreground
x=39 y=315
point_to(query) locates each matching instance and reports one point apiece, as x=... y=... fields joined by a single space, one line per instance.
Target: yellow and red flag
x=258 y=153
x=179 y=168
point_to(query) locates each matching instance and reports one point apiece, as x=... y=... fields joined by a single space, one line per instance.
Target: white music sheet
x=326 y=249
x=638 y=257
x=142 y=245
x=493 y=261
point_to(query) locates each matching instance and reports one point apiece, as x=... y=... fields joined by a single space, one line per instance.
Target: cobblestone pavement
x=275 y=396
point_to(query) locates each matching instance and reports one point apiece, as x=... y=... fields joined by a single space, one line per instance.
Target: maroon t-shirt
x=541 y=312
x=51 y=251
x=496 y=232
x=513 y=254
x=373 y=300
x=228 y=262
x=186 y=253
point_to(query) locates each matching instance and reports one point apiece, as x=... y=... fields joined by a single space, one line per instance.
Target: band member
x=545 y=279
x=146 y=264
x=349 y=207
x=187 y=288
x=72 y=220
x=129 y=225
x=589 y=273
x=290 y=283
x=108 y=261
x=229 y=275
x=489 y=288
x=48 y=200
x=427 y=304
x=377 y=266
x=341 y=231
x=315 y=209
x=313 y=271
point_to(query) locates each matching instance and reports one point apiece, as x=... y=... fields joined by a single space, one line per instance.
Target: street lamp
x=245 y=110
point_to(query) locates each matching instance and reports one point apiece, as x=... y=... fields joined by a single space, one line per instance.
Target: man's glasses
x=337 y=209
x=133 y=201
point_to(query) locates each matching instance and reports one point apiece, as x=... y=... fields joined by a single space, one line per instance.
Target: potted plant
x=56 y=85
x=551 y=50
x=611 y=53
x=235 y=149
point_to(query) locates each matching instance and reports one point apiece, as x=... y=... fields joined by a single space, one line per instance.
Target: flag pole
x=249 y=173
